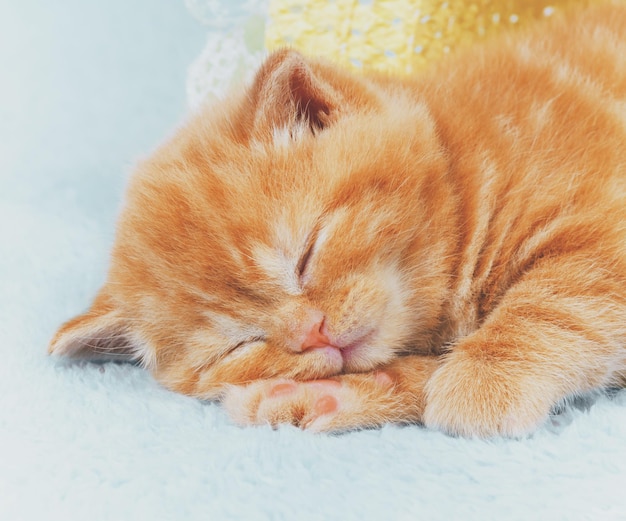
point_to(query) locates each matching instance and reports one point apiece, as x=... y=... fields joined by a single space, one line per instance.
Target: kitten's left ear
x=289 y=92
x=101 y=333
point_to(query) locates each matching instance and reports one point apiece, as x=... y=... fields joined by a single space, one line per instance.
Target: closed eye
x=308 y=252
x=237 y=348
x=246 y=342
x=304 y=260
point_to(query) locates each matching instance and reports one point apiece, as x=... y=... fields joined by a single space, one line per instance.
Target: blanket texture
x=88 y=87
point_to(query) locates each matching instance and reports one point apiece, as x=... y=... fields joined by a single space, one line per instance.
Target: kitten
x=339 y=251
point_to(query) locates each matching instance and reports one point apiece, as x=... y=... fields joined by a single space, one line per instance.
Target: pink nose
x=315 y=337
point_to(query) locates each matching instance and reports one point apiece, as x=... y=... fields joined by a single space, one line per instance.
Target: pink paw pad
x=325 y=405
x=383 y=379
x=282 y=389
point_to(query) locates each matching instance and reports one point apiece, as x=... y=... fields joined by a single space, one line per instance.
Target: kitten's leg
x=394 y=393
x=551 y=337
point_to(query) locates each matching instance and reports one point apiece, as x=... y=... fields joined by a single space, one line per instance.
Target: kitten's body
x=338 y=251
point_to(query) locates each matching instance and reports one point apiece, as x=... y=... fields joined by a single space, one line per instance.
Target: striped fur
x=461 y=237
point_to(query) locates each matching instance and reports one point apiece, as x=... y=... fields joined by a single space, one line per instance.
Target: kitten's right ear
x=101 y=333
x=288 y=93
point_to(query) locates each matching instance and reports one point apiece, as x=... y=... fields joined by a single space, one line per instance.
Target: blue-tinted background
x=86 y=87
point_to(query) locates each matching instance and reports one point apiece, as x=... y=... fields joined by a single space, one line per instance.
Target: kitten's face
x=282 y=243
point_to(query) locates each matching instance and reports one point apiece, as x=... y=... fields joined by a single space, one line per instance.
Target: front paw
x=333 y=405
x=474 y=397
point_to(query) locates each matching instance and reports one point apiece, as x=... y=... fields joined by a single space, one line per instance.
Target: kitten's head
x=294 y=231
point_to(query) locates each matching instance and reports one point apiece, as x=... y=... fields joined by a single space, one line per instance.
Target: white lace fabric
x=233 y=50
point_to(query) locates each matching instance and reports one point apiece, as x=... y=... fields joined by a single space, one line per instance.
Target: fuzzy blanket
x=87 y=88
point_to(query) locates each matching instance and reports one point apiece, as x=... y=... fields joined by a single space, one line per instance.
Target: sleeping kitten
x=339 y=251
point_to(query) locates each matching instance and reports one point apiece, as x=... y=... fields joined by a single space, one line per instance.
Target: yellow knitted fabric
x=395 y=35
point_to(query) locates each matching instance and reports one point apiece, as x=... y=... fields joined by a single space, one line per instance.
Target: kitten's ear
x=98 y=334
x=287 y=94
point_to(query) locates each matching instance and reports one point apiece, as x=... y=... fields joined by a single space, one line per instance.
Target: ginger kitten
x=339 y=251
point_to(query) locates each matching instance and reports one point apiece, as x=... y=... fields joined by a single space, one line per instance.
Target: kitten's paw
x=318 y=405
x=478 y=398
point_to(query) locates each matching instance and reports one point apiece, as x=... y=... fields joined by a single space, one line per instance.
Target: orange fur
x=447 y=249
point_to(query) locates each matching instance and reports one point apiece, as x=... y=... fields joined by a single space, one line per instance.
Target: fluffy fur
x=340 y=251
